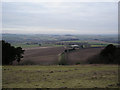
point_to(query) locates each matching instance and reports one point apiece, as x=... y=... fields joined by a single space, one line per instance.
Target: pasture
x=73 y=76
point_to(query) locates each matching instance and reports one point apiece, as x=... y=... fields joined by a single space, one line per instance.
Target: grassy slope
x=78 y=76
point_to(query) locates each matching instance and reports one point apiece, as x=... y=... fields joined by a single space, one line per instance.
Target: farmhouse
x=78 y=45
x=75 y=46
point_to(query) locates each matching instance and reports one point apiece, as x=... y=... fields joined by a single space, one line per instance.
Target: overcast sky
x=60 y=17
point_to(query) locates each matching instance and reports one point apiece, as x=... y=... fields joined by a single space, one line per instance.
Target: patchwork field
x=74 y=76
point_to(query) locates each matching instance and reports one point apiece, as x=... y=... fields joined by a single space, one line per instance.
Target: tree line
x=10 y=53
x=109 y=55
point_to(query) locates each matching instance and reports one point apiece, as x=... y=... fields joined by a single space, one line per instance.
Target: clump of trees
x=10 y=53
x=109 y=55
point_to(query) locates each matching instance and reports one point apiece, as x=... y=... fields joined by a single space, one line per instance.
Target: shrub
x=62 y=60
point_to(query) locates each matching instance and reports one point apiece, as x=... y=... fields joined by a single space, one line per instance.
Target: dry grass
x=76 y=76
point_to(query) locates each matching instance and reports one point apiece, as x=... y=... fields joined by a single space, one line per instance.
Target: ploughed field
x=50 y=55
x=42 y=55
x=82 y=55
x=73 y=76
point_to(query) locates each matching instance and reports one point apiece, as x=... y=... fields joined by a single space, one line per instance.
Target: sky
x=60 y=17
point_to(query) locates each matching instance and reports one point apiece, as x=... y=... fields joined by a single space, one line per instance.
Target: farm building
x=76 y=45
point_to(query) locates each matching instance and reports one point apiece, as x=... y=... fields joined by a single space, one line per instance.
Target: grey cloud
x=78 y=16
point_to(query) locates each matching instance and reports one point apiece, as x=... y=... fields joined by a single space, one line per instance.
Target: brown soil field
x=82 y=55
x=42 y=55
x=50 y=55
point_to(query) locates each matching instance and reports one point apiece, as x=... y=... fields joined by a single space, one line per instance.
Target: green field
x=25 y=46
x=74 y=76
x=92 y=44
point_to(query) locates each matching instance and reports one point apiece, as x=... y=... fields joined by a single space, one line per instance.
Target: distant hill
x=21 y=38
